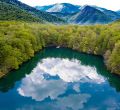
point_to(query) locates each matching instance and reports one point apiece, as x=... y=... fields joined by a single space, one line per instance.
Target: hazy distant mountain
x=60 y=7
x=89 y=15
x=112 y=14
x=44 y=8
x=93 y=15
x=118 y=12
x=81 y=15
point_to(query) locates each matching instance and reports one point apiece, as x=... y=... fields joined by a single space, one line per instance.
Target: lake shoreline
x=52 y=46
x=24 y=42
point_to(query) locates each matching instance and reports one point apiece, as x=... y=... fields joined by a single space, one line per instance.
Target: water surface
x=61 y=79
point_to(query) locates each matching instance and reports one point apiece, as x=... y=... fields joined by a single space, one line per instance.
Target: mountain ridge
x=97 y=15
x=60 y=7
x=91 y=15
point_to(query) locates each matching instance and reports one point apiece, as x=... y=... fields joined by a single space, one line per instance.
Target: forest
x=15 y=13
x=19 y=41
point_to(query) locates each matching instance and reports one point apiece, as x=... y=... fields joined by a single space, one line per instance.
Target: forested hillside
x=10 y=12
x=19 y=41
x=15 y=10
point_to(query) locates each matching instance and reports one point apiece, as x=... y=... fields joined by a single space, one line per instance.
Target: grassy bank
x=19 y=41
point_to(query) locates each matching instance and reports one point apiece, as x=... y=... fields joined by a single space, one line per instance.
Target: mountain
x=10 y=12
x=113 y=15
x=37 y=14
x=81 y=15
x=44 y=8
x=16 y=10
x=118 y=12
x=89 y=15
x=94 y=15
x=60 y=7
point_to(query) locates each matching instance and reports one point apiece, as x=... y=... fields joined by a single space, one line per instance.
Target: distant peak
x=87 y=6
x=58 y=4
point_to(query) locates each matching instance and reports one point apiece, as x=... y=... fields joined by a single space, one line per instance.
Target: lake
x=61 y=79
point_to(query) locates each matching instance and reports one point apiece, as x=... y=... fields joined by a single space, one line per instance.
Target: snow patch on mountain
x=56 y=8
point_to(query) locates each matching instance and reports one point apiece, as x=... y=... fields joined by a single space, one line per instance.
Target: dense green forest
x=19 y=41
x=10 y=12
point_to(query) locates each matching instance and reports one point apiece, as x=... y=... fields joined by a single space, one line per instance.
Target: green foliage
x=10 y=12
x=19 y=41
x=17 y=44
x=114 y=60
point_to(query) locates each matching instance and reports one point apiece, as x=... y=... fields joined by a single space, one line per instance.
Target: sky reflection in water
x=51 y=78
x=61 y=79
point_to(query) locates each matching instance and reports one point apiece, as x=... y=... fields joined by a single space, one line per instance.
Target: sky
x=109 y=4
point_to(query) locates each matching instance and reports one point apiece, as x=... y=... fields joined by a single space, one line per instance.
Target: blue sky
x=109 y=4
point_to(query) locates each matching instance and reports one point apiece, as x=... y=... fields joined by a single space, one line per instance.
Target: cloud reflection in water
x=37 y=86
x=71 y=102
x=68 y=70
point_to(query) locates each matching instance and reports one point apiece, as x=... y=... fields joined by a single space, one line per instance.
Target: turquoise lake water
x=61 y=79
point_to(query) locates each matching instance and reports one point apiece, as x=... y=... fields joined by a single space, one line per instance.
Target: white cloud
x=109 y=4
